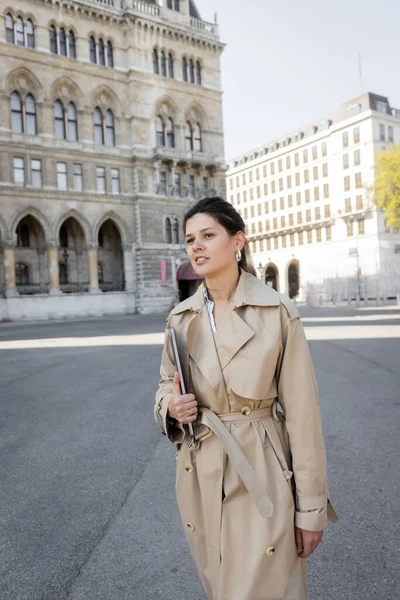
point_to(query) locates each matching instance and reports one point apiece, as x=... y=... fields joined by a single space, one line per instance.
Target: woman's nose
x=196 y=244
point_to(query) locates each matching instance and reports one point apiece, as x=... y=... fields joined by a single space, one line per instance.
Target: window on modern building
x=288 y=162
x=246 y=213
x=284 y=241
x=250 y=176
x=361 y=227
x=317 y=213
x=275 y=223
x=170 y=66
x=274 y=205
x=281 y=185
x=356 y=135
x=346 y=183
x=299 y=218
x=17 y=121
x=289 y=181
x=260 y=227
x=265 y=189
x=305 y=156
x=264 y=170
x=328 y=233
x=296 y=159
x=319 y=234
x=62 y=42
x=110 y=55
x=36 y=173
x=251 y=194
x=62 y=176
x=10 y=37
x=291 y=221
x=244 y=195
x=298 y=198
x=326 y=190
x=269 y=244
x=19 y=170
x=347 y=205
x=325 y=170
x=243 y=178
x=273 y=187
x=382 y=134
x=282 y=203
x=357 y=158
x=345 y=139
x=72 y=118
x=306 y=176
x=92 y=50
x=346 y=162
x=315 y=173
x=78 y=178
x=300 y=238
x=359 y=202
x=257 y=174
x=307 y=196
x=237 y=197
x=170 y=134
x=314 y=152
x=316 y=194
x=292 y=240
x=71 y=45
x=324 y=149
x=101 y=53
x=390 y=134
x=297 y=178
x=59 y=120
x=115 y=181
x=258 y=192
x=188 y=137
x=357 y=178
x=184 y=69
x=253 y=230
x=101 y=179
x=308 y=215
x=198 y=73
x=280 y=165
x=266 y=208
x=350 y=228
x=156 y=64
x=290 y=200
x=272 y=168
x=259 y=210
x=310 y=236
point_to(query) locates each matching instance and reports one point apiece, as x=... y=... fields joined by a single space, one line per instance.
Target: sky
x=290 y=62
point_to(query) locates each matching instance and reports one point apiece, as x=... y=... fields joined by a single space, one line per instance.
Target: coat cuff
x=311 y=513
x=174 y=431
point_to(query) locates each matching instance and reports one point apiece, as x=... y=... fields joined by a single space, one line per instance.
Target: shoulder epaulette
x=290 y=307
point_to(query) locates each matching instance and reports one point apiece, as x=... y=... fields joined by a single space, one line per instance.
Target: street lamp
x=260 y=269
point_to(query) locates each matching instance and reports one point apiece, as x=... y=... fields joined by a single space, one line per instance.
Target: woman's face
x=209 y=247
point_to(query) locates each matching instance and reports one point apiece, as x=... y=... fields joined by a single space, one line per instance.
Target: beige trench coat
x=259 y=354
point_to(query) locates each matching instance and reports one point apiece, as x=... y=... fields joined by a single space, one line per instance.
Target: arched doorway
x=271 y=276
x=293 y=279
x=72 y=257
x=31 y=264
x=110 y=267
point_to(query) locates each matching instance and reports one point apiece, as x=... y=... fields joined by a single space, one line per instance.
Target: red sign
x=163 y=272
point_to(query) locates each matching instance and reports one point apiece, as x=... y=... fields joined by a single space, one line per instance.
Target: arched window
x=92 y=50
x=102 y=54
x=197 y=143
x=192 y=80
x=71 y=44
x=98 y=126
x=100 y=273
x=30 y=111
x=10 y=29
x=110 y=55
x=53 y=40
x=188 y=137
x=21 y=274
x=168 y=231
x=17 y=124
x=170 y=134
x=163 y=64
x=63 y=42
x=23 y=236
x=160 y=132
x=198 y=72
x=72 y=122
x=156 y=65
x=175 y=231
x=184 y=69
x=63 y=236
x=30 y=34
x=20 y=32
x=110 y=129
x=170 y=66
x=59 y=120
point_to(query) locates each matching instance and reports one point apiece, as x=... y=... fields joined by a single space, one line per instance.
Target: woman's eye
x=189 y=241
x=209 y=235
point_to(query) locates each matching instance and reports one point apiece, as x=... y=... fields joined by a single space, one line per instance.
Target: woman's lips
x=200 y=261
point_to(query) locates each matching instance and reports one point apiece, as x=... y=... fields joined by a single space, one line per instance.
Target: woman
x=251 y=489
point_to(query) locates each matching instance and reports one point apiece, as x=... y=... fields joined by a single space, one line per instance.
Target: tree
x=387 y=184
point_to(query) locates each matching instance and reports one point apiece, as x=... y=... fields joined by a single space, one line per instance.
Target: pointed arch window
x=198 y=72
x=71 y=44
x=156 y=65
x=92 y=50
x=53 y=40
x=110 y=55
x=63 y=236
x=72 y=122
x=184 y=69
x=160 y=132
x=20 y=32
x=188 y=137
x=30 y=110
x=10 y=37
x=170 y=134
x=17 y=125
x=170 y=66
x=59 y=120
x=63 y=42
x=23 y=235
x=110 y=129
x=98 y=126
x=168 y=231
x=197 y=141
x=191 y=69
x=30 y=34
x=163 y=64
x=102 y=54
x=175 y=231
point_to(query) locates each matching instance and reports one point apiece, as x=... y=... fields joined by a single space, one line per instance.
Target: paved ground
x=87 y=508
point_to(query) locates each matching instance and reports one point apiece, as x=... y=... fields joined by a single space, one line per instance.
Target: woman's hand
x=182 y=408
x=307 y=541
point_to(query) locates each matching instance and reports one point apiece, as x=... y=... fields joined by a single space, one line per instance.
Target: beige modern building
x=314 y=231
x=110 y=124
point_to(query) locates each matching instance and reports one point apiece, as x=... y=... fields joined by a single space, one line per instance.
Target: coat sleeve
x=174 y=431
x=298 y=396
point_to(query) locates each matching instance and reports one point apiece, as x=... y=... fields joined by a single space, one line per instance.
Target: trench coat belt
x=236 y=456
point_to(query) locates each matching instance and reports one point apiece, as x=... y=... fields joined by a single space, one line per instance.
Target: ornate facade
x=110 y=124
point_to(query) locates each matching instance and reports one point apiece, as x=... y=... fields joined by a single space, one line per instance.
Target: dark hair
x=227 y=216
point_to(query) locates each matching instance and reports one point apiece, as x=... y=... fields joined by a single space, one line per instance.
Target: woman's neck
x=222 y=287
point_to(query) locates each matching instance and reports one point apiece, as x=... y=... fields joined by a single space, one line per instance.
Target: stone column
x=92 y=264
x=42 y=270
x=171 y=191
x=129 y=255
x=156 y=176
x=54 y=275
x=9 y=270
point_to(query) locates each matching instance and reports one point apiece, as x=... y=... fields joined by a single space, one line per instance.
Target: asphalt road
x=87 y=509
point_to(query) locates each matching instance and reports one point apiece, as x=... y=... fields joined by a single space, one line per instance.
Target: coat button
x=189 y=468
x=246 y=410
x=191 y=527
x=270 y=551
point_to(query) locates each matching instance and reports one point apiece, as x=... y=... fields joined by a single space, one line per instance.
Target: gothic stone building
x=110 y=124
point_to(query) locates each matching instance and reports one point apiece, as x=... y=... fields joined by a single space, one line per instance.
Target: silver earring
x=239 y=255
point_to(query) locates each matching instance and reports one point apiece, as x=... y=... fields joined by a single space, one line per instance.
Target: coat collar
x=249 y=292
